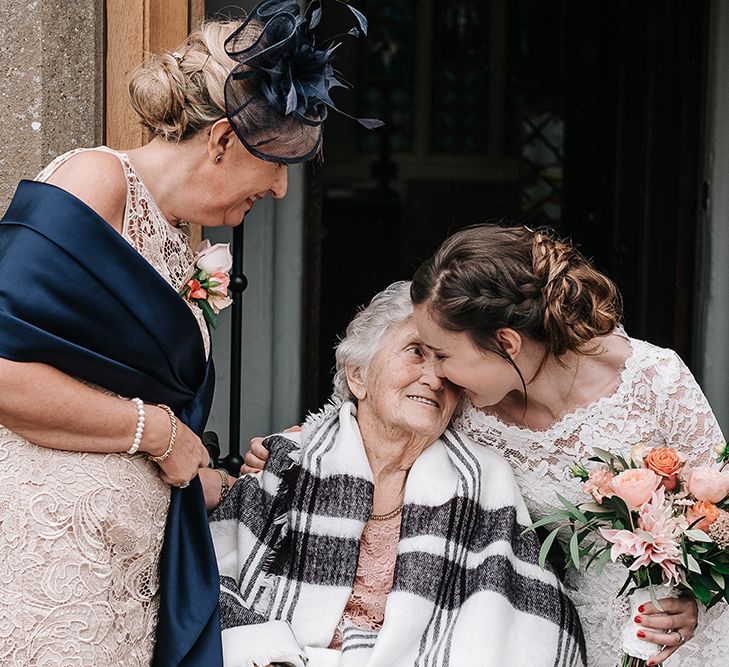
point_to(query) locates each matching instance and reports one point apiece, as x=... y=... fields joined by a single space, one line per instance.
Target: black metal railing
x=238 y=283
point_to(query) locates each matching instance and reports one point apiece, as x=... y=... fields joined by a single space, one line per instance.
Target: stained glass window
x=386 y=87
x=460 y=77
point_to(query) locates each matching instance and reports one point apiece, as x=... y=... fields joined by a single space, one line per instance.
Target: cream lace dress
x=81 y=533
x=657 y=402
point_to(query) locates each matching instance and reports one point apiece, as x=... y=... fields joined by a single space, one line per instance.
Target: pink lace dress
x=373 y=581
x=81 y=533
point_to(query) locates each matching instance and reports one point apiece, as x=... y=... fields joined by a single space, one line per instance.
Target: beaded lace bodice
x=165 y=247
x=375 y=571
x=657 y=401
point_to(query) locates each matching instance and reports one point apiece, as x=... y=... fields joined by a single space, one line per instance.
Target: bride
x=531 y=331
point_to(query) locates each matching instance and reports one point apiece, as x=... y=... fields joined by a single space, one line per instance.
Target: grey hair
x=366 y=333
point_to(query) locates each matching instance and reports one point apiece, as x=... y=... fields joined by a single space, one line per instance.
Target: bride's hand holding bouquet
x=666 y=522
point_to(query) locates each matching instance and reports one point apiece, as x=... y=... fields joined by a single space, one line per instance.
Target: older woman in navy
x=106 y=370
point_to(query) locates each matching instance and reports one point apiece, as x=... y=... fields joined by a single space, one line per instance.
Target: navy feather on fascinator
x=292 y=76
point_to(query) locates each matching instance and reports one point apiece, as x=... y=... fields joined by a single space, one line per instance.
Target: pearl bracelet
x=139 y=403
x=173 y=435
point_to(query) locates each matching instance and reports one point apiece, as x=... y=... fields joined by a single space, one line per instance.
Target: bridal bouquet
x=208 y=281
x=666 y=522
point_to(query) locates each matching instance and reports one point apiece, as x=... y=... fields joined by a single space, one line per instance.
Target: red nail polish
x=638 y=619
x=641 y=609
x=640 y=634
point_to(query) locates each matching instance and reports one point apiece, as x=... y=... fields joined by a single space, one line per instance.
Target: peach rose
x=635 y=486
x=218 y=283
x=708 y=484
x=664 y=461
x=707 y=512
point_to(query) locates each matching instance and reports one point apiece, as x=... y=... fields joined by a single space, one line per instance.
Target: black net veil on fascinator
x=279 y=117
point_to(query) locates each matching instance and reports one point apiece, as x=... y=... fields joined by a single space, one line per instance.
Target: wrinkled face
x=402 y=389
x=239 y=181
x=485 y=376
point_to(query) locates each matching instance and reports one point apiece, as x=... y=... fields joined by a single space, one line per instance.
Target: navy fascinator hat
x=279 y=118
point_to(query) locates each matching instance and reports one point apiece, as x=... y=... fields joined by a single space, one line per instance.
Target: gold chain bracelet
x=173 y=435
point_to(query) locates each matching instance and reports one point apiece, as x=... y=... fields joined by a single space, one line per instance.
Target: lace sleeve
x=687 y=422
x=685 y=418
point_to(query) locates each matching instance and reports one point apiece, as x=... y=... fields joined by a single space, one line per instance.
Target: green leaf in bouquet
x=721 y=567
x=701 y=549
x=692 y=564
x=718 y=578
x=579 y=471
x=625 y=585
x=602 y=561
x=626 y=463
x=586 y=549
x=547 y=545
x=572 y=509
x=705 y=580
x=208 y=313
x=697 y=535
x=719 y=596
x=575 y=551
x=702 y=593
x=595 y=508
x=560 y=516
x=603 y=455
x=621 y=509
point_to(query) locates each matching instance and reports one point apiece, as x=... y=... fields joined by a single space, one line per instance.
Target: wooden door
x=133 y=29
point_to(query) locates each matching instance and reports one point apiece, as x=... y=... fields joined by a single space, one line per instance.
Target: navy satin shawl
x=75 y=295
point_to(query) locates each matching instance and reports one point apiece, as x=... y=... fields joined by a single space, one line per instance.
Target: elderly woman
x=377 y=536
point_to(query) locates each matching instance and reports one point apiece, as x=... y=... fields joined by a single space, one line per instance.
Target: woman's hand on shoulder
x=96 y=178
x=255 y=458
x=188 y=454
x=257 y=454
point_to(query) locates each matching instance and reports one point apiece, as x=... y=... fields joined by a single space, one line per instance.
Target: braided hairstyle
x=488 y=277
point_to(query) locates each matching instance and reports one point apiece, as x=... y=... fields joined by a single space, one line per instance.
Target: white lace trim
x=657 y=401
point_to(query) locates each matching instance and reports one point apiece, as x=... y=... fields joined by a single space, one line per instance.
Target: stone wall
x=712 y=348
x=51 y=97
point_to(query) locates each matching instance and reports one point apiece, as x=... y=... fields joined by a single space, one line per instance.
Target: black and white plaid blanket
x=468 y=590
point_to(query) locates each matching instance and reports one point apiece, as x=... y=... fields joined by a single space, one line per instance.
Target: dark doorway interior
x=583 y=116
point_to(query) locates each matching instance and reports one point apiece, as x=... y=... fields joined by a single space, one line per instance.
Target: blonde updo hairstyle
x=176 y=94
x=489 y=277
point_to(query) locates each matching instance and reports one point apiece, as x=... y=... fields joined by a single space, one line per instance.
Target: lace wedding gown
x=81 y=533
x=657 y=402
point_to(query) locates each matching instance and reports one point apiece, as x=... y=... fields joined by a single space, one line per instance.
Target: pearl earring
x=218 y=158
